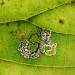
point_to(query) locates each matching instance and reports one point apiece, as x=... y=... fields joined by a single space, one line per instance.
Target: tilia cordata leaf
x=12 y=34
x=12 y=10
x=60 y=19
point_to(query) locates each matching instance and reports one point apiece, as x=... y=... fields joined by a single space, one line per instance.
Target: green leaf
x=11 y=10
x=12 y=34
x=10 y=68
x=60 y=19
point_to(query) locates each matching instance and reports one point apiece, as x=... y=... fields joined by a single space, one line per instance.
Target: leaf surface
x=12 y=10
x=10 y=68
x=60 y=19
x=12 y=34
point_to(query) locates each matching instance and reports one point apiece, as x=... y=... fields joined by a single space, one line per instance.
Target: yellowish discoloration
x=52 y=50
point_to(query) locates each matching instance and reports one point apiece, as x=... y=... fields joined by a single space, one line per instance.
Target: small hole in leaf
x=11 y=32
x=73 y=1
x=2 y=3
x=61 y=21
